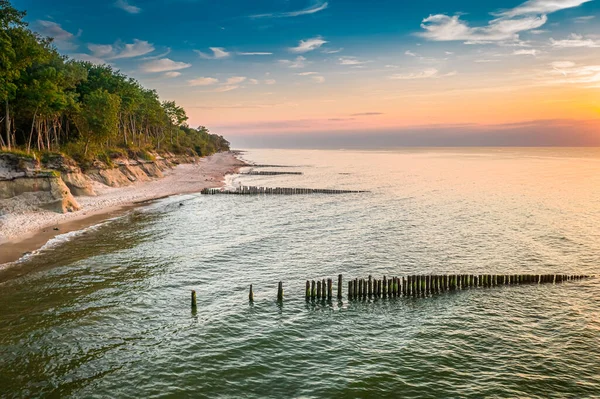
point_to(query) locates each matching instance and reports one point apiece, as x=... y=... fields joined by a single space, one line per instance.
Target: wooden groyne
x=245 y=190
x=359 y=289
x=271 y=166
x=429 y=285
x=269 y=173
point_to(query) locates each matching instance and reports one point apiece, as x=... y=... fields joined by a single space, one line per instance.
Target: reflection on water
x=107 y=313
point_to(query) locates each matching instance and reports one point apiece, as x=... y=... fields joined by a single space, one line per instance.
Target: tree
x=99 y=118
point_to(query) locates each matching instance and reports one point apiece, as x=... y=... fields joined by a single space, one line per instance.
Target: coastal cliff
x=53 y=182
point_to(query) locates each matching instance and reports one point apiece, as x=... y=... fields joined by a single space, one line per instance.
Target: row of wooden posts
x=249 y=190
x=269 y=173
x=415 y=285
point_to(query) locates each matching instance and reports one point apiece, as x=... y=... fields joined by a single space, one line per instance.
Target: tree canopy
x=52 y=103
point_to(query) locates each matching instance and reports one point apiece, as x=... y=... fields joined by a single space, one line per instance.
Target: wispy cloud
x=125 y=5
x=507 y=24
x=318 y=79
x=445 y=28
x=172 y=74
x=569 y=72
x=351 y=61
x=316 y=7
x=307 y=45
x=202 y=81
x=368 y=114
x=299 y=62
x=270 y=81
x=217 y=53
x=574 y=41
x=425 y=74
x=307 y=73
x=410 y=53
x=224 y=89
x=163 y=65
x=234 y=80
x=118 y=51
x=90 y=58
x=539 y=7
x=531 y=52
x=63 y=39
x=329 y=51
x=154 y=57
x=254 y=53
x=583 y=20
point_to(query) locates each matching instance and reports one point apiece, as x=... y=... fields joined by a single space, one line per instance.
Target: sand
x=27 y=230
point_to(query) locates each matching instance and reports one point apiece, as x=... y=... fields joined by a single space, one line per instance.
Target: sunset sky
x=272 y=69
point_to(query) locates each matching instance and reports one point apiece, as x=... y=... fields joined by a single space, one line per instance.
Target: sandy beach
x=26 y=230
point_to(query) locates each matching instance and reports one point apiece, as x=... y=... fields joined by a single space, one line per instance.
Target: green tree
x=99 y=118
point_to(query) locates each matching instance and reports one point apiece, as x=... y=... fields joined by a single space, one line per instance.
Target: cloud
x=203 y=81
x=307 y=45
x=526 y=52
x=163 y=65
x=270 y=81
x=254 y=53
x=410 y=53
x=118 y=51
x=63 y=40
x=583 y=20
x=224 y=89
x=368 y=114
x=540 y=7
x=571 y=73
x=425 y=74
x=124 y=5
x=299 y=62
x=163 y=55
x=234 y=80
x=575 y=41
x=253 y=81
x=316 y=7
x=307 y=73
x=318 y=79
x=172 y=74
x=218 y=53
x=332 y=51
x=445 y=28
x=350 y=61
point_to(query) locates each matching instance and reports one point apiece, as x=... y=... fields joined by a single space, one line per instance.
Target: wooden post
x=349 y=290
x=339 y=292
x=370 y=286
x=379 y=288
x=384 y=286
x=360 y=289
x=324 y=290
x=318 y=289
x=251 y=294
x=194 y=300
x=307 y=290
x=390 y=287
x=280 y=291
x=329 y=289
x=355 y=289
x=313 y=290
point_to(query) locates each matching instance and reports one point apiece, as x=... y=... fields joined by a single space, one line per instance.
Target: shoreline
x=29 y=231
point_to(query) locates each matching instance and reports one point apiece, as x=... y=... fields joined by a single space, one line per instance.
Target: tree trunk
x=7 y=125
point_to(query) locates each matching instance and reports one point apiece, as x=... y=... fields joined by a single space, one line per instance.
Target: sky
x=338 y=73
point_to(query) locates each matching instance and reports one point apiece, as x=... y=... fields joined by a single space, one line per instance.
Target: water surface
x=107 y=313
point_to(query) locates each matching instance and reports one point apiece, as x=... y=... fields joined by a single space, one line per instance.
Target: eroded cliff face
x=51 y=184
x=24 y=184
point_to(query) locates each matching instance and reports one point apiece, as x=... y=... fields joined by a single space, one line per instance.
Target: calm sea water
x=106 y=313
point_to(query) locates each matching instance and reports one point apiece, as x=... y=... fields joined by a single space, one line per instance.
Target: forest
x=51 y=103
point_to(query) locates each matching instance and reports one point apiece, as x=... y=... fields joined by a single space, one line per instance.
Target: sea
x=105 y=312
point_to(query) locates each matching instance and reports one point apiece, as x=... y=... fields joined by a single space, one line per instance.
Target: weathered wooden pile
x=269 y=173
x=245 y=190
x=271 y=166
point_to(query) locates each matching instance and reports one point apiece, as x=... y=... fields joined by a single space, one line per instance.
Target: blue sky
x=291 y=66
